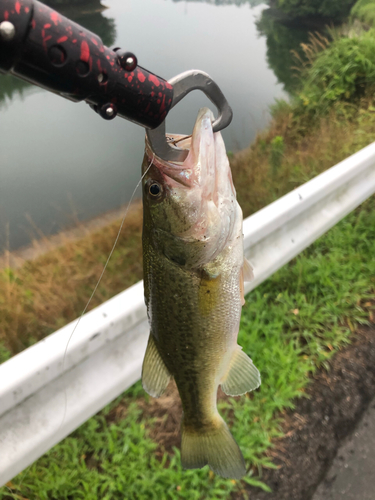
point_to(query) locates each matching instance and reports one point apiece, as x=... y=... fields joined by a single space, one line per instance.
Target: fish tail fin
x=214 y=445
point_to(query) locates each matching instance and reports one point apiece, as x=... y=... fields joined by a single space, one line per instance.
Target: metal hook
x=182 y=85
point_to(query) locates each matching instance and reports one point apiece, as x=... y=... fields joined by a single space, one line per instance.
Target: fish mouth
x=206 y=166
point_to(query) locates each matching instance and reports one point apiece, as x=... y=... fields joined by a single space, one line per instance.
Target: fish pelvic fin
x=155 y=375
x=214 y=445
x=248 y=273
x=242 y=375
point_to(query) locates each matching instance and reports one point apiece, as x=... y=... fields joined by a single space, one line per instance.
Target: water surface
x=60 y=161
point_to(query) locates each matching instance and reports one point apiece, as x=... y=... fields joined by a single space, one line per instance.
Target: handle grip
x=40 y=45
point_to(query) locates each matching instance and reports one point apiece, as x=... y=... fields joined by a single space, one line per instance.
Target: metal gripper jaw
x=183 y=84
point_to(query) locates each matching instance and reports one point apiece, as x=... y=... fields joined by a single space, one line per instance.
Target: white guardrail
x=42 y=401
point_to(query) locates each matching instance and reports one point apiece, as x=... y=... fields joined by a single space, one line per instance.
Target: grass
x=364 y=10
x=343 y=72
x=291 y=152
x=291 y=324
x=48 y=292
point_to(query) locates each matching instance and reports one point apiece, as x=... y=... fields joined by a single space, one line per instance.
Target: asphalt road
x=352 y=474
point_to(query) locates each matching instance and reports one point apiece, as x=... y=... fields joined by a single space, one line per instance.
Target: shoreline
x=16 y=258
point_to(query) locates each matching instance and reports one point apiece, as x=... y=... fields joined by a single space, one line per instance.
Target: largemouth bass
x=194 y=270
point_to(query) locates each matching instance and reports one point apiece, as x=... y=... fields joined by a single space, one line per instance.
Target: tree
x=333 y=9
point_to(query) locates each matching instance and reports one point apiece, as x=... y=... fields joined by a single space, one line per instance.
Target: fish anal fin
x=248 y=274
x=242 y=375
x=155 y=376
x=214 y=445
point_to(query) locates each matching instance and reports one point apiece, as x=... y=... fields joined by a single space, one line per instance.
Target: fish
x=194 y=273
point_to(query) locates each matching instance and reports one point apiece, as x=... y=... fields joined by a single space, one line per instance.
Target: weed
x=343 y=72
x=277 y=152
x=364 y=10
x=48 y=292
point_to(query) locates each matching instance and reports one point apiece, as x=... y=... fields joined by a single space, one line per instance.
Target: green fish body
x=194 y=271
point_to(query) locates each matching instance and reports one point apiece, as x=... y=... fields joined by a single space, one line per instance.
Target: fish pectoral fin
x=242 y=375
x=215 y=446
x=248 y=274
x=155 y=376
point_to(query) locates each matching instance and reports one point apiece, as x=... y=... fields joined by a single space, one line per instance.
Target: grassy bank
x=53 y=289
x=291 y=324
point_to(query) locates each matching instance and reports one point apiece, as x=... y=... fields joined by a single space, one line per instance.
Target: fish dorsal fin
x=248 y=274
x=155 y=376
x=242 y=375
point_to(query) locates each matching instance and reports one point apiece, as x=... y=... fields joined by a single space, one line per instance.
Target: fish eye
x=155 y=189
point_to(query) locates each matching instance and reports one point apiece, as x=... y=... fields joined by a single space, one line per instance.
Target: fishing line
x=182 y=138
x=88 y=303
x=99 y=280
x=176 y=141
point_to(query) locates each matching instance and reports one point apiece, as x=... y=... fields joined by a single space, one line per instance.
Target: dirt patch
x=167 y=412
x=317 y=426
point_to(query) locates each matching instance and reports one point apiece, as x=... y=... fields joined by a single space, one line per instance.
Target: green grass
x=364 y=10
x=342 y=73
x=291 y=324
x=5 y=354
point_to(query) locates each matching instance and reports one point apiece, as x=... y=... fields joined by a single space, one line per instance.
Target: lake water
x=60 y=161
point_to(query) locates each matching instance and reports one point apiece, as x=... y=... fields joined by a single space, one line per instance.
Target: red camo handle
x=56 y=53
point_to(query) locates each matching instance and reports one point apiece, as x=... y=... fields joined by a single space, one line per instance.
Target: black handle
x=40 y=45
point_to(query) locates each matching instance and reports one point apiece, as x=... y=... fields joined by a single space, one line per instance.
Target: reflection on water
x=11 y=86
x=252 y=3
x=88 y=13
x=284 y=38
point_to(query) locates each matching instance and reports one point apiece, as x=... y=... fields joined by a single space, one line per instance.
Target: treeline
x=252 y=3
x=334 y=70
x=329 y=9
